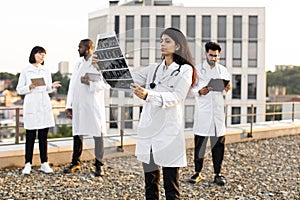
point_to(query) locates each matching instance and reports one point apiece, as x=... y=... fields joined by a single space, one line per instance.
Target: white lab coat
x=87 y=102
x=37 y=108
x=161 y=122
x=209 y=117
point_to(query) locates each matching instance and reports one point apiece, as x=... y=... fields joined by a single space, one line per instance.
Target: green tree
x=12 y=77
x=6 y=75
x=14 y=82
x=64 y=81
x=289 y=78
x=63 y=131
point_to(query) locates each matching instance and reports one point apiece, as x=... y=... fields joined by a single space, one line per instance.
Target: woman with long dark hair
x=160 y=138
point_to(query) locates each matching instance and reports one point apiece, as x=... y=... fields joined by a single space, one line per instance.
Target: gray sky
x=58 y=26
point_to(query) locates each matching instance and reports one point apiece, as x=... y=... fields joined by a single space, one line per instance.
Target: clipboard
x=93 y=76
x=217 y=84
x=38 y=81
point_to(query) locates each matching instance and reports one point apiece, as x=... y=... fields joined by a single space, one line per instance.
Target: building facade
x=240 y=31
x=63 y=67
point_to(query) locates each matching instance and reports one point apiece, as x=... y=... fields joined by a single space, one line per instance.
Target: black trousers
x=152 y=181
x=77 y=149
x=217 y=149
x=43 y=144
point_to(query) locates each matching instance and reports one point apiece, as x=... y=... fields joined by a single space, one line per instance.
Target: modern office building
x=63 y=67
x=240 y=31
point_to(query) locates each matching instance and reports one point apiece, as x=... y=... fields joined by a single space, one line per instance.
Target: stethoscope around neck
x=175 y=73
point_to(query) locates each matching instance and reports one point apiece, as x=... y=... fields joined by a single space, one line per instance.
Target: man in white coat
x=209 y=119
x=85 y=106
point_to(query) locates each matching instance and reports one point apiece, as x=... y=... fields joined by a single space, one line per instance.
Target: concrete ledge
x=60 y=151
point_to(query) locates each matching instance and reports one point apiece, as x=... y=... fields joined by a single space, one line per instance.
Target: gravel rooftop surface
x=258 y=169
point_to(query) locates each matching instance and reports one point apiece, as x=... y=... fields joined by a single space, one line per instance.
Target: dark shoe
x=72 y=168
x=195 y=178
x=99 y=171
x=220 y=180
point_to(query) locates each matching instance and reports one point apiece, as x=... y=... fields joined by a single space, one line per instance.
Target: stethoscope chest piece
x=152 y=85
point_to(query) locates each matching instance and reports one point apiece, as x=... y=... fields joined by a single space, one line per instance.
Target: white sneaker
x=46 y=168
x=27 y=168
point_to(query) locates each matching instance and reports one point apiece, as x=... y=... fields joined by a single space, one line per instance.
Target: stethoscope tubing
x=153 y=84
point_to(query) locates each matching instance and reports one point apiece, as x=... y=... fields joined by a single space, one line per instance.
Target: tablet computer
x=217 y=84
x=38 y=81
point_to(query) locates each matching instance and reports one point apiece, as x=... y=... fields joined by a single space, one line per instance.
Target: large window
x=113 y=93
x=237 y=54
x=129 y=42
x=128 y=94
x=160 y=25
x=222 y=27
x=236 y=86
x=249 y=114
x=252 y=45
x=189 y=116
x=191 y=33
x=253 y=32
x=117 y=25
x=113 y=116
x=237 y=41
x=223 y=52
x=222 y=38
x=237 y=27
x=236 y=115
x=176 y=21
x=252 y=54
x=252 y=86
x=206 y=27
x=145 y=44
x=128 y=116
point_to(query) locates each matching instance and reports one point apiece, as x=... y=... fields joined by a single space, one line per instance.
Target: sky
x=59 y=25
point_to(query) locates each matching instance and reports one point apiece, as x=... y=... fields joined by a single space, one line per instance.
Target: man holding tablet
x=209 y=121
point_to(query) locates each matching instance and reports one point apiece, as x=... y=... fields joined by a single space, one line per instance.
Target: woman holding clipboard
x=35 y=83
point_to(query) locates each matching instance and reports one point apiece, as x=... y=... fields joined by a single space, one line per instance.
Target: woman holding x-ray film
x=160 y=138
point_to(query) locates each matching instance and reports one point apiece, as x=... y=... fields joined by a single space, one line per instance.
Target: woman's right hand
x=139 y=91
x=32 y=86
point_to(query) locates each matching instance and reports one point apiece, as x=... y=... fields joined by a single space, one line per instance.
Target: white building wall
x=198 y=12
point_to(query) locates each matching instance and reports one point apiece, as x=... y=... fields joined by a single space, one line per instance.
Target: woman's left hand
x=56 y=84
x=228 y=87
x=139 y=91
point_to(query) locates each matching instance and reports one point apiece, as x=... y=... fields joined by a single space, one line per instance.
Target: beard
x=211 y=62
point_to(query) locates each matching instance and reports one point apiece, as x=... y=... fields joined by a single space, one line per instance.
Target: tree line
x=289 y=78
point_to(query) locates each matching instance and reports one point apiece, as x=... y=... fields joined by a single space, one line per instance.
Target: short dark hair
x=213 y=46
x=88 y=43
x=36 y=49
